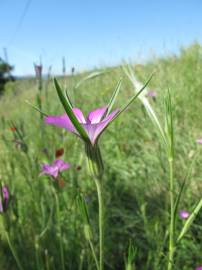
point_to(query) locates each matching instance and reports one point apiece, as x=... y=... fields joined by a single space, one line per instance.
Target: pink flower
x=199 y=141
x=184 y=214
x=152 y=94
x=55 y=168
x=198 y=268
x=38 y=70
x=94 y=124
x=4 y=199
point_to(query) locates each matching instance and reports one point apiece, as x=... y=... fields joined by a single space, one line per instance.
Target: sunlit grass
x=136 y=177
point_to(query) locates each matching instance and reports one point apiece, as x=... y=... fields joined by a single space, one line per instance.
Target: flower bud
x=94 y=158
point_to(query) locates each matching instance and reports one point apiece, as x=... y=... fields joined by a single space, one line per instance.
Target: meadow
x=44 y=226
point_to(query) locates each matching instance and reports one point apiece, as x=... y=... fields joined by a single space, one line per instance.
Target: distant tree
x=5 y=74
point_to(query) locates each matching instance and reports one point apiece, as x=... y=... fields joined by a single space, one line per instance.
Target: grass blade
x=128 y=104
x=36 y=108
x=179 y=195
x=87 y=226
x=83 y=208
x=150 y=111
x=129 y=264
x=19 y=134
x=89 y=77
x=113 y=97
x=190 y=220
x=70 y=113
x=183 y=187
x=68 y=100
x=133 y=98
x=169 y=126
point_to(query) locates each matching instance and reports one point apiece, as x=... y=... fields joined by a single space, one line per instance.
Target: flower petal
x=151 y=93
x=90 y=129
x=61 y=165
x=58 y=163
x=103 y=125
x=51 y=170
x=95 y=116
x=79 y=115
x=62 y=121
x=199 y=141
x=184 y=214
x=5 y=193
x=65 y=166
x=198 y=268
x=95 y=130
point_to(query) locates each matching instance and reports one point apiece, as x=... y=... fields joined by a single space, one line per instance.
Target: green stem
x=60 y=232
x=13 y=251
x=96 y=169
x=94 y=254
x=47 y=260
x=101 y=223
x=37 y=255
x=81 y=260
x=172 y=218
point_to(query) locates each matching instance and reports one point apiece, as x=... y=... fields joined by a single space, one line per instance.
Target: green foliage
x=45 y=224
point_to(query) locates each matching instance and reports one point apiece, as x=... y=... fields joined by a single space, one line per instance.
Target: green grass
x=136 y=178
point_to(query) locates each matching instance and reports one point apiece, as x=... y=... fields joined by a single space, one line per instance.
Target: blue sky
x=94 y=33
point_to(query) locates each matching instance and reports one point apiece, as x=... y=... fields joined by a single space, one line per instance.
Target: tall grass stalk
x=170 y=152
x=13 y=251
x=37 y=255
x=101 y=221
x=47 y=260
x=172 y=218
x=60 y=231
x=94 y=254
x=87 y=227
x=96 y=170
x=168 y=140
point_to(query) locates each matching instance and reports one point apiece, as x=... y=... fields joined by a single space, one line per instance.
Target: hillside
x=44 y=222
